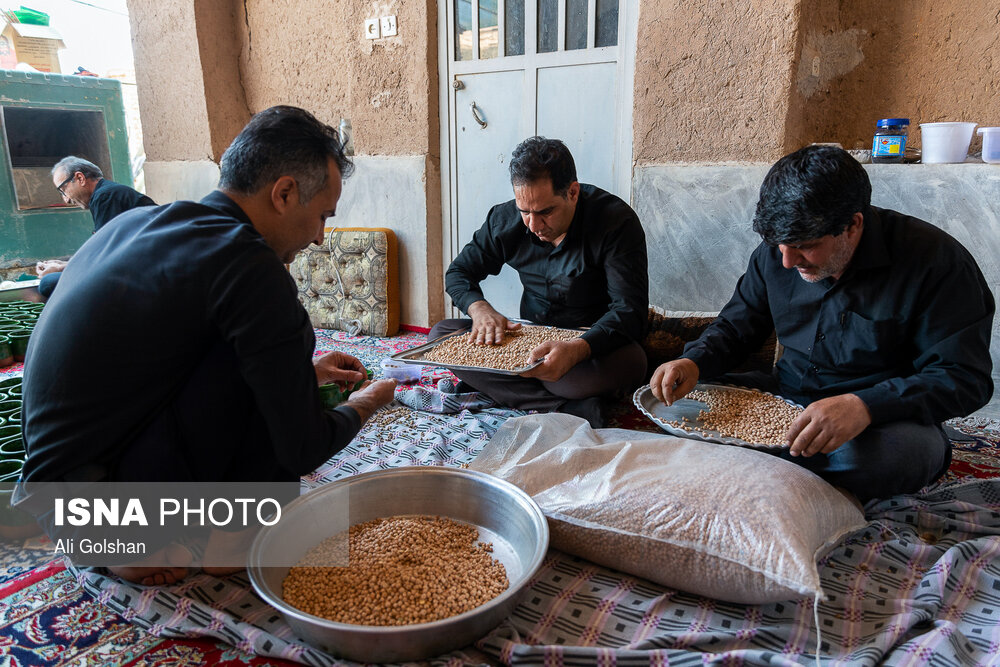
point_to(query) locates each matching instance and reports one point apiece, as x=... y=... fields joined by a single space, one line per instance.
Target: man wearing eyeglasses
x=82 y=183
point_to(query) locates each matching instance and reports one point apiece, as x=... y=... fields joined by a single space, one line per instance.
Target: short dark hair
x=537 y=158
x=810 y=193
x=72 y=164
x=282 y=141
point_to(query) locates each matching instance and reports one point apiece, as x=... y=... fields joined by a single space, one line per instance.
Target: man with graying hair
x=580 y=253
x=206 y=355
x=885 y=321
x=82 y=183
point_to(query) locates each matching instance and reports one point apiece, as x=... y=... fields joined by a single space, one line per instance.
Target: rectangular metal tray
x=412 y=356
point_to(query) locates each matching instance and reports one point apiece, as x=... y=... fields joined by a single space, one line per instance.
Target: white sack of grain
x=725 y=522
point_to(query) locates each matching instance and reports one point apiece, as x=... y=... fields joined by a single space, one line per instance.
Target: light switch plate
x=371 y=28
x=388 y=26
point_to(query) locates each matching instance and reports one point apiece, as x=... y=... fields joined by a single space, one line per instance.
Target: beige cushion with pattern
x=351 y=282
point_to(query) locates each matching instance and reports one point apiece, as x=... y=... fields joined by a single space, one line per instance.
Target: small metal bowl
x=505 y=516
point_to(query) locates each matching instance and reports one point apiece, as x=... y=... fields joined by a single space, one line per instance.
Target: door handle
x=477 y=116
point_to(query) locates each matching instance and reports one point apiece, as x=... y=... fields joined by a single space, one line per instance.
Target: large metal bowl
x=505 y=516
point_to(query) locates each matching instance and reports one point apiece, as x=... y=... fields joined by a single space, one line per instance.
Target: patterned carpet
x=47 y=618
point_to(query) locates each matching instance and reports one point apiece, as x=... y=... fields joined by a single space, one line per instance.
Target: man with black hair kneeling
x=580 y=253
x=885 y=321
x=203 y=353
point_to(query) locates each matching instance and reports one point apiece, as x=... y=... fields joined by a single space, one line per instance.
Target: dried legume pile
x=748 y=415
x=509 y=355
x=403 y=570
x=386 y=420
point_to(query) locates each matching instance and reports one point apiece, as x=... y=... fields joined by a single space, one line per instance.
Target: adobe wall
x=169 y=80
x=722 y=81
x=928 y=60
x=245 y=56
x=321 y=61
x=712 y=79
x=716 y=83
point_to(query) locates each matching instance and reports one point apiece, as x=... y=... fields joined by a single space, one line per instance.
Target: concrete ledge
x=390 y=191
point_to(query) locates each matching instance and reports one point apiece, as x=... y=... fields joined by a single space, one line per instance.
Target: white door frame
x=448 y=70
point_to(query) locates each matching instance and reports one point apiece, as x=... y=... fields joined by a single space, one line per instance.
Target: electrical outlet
x=371 y=29
x=388 y=26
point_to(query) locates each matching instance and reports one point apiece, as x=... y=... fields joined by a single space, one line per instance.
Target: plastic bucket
x=991 y=144
x=945 y=142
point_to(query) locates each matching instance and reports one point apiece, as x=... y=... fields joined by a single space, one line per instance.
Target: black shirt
x=906 y=327
x=595 y=277
x=110 y=199
x=136 y=311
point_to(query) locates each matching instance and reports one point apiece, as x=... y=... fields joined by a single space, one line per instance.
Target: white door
x=516 y=68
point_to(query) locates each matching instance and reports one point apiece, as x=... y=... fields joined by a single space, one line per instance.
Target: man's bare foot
x=226 y=552
x=176 y=559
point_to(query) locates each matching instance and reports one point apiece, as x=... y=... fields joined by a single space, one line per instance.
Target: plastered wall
x=313 y=53
x=205 y=66
x=170 y=81
x=746 y=81
x=922 y=59
x=712 y=79
x=715 y=81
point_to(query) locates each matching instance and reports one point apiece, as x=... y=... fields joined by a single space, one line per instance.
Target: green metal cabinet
x=43 y=118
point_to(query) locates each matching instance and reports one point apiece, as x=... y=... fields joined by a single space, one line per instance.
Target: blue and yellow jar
x=890 y=140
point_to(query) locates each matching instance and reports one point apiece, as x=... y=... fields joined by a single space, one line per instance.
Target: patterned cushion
x=668 y=332
x=351 y=282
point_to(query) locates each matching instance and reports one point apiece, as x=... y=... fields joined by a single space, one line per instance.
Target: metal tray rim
x=420 y=349
x=695 y=435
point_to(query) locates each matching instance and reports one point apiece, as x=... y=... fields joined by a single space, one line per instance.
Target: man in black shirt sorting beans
x=580 y=253
x=206 y=355
x=885 y=322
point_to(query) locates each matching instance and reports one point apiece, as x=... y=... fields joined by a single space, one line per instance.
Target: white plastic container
x=945 y=142
x=991 y=144
x=397 y=370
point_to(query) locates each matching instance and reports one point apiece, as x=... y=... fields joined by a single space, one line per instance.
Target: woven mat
x=575 y=611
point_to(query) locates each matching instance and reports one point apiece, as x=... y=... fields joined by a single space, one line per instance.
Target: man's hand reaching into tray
x=558 y=356
x=488 y=326
x=673 y=380
x=827 y=424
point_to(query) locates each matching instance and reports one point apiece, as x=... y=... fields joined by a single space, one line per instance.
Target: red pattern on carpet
x=46 y=620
